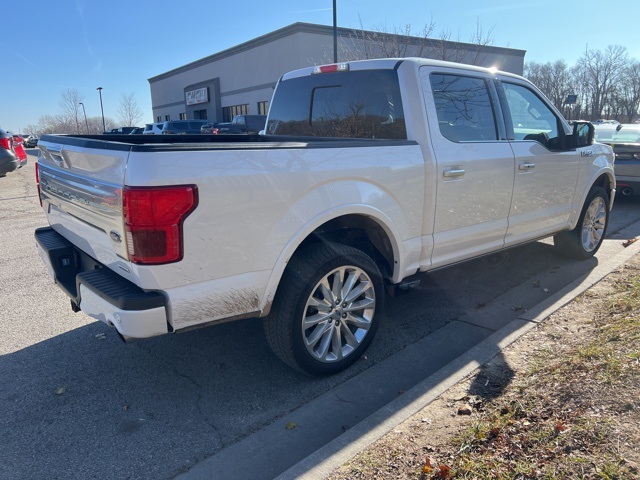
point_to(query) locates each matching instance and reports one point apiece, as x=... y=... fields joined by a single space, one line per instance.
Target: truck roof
x=388 y=64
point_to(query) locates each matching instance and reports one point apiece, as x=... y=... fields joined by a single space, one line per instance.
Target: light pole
x=85 y=117
x=104 y=128
x=335 y=33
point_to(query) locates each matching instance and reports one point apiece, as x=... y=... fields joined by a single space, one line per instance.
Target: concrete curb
x=336 y=453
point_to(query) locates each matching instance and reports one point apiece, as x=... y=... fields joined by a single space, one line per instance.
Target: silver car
x=624 y=138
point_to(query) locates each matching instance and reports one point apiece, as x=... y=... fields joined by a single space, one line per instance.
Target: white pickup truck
x=367 y=173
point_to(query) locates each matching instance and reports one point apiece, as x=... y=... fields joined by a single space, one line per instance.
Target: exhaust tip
x=626 y=191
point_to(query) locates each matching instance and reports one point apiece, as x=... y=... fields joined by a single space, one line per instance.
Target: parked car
x=8 y=158
x=18 y=149
x=240 y=124
x=137 y=131
x=121 y=130
x=153 y=128
x=624 y=138
x=172 y=127
x=249 y=123
x=215 y=128
x=30 y=141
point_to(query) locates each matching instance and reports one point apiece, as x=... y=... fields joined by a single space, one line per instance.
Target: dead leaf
x=291 y=425
x=427 y=468
x=444 y=471
x=629 y=242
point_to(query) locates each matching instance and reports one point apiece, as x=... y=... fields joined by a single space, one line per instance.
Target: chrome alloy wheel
x=338 y=314
x=593 y=224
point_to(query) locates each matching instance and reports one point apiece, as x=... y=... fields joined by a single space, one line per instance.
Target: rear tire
x=584 y=241
x=327 y=308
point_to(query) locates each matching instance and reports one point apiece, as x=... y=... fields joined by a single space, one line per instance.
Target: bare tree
x=63 y=125
x=600 y=73
x=70 y=104
x=129 y=113
x=480 y=39
x=405 y=42
x=554 y=79
x=384 y=43
x=629 y=91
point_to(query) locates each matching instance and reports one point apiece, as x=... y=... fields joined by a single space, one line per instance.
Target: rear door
x=475 y=164
x=546 y=171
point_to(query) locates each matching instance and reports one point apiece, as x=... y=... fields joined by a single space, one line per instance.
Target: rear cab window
x=354 y=104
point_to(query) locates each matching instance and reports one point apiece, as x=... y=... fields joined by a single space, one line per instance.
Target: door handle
x=526 y=167
x=453 y=173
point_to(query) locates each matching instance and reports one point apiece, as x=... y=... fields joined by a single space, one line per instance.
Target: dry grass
x=562 y=402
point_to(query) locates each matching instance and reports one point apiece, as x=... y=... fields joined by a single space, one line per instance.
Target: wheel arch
x=605 y=180
x=364 y=228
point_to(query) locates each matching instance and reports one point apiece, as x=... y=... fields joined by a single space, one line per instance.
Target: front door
x=546 y=172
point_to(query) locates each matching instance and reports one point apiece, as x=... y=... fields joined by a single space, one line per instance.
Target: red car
x=18 y=149
x=12 y=153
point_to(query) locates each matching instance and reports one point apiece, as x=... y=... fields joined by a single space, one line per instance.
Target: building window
x=159 y=118
x=229 y=112
x=183 y=116
x=200 y=114
x=167 y=118
x=263 y=108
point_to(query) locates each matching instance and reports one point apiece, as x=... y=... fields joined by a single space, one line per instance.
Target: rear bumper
x=100 y=292
x=628 y=185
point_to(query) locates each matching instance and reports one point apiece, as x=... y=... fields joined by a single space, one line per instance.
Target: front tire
x=584 y=241
x=326 y=311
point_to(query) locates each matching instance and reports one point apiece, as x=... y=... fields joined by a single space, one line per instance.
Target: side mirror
x=583 y=134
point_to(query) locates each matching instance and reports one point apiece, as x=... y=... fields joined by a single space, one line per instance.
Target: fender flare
x=311 y=226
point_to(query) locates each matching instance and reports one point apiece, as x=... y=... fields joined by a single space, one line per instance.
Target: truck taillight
x=153 y=218
x=38 y=184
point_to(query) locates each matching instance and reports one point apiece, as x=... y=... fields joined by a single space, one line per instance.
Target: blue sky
x=48 y=47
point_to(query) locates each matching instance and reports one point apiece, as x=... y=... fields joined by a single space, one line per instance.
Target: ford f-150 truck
x=367 y=173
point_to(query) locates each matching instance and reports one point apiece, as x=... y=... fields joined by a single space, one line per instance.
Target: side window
x=532 y=119
x=464 y=108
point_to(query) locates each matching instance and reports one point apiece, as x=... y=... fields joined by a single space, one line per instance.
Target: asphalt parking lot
x=78 y=403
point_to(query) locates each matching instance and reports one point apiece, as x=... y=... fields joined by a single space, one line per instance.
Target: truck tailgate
x=81 y=192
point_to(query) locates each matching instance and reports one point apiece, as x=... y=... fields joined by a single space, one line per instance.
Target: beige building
x=240 y=80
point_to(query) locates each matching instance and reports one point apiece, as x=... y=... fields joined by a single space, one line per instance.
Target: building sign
x=194 y=97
